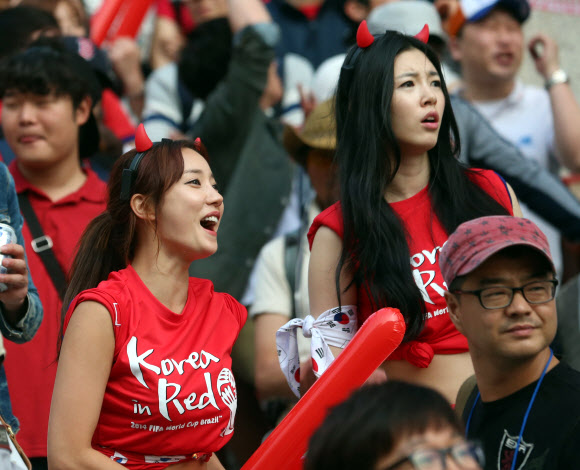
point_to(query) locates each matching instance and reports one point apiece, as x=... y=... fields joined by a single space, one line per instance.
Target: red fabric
x=205 y=331
x=439 y=336
x=165 y=9
x=310 y=11
x=115 y=117
x=31 y=367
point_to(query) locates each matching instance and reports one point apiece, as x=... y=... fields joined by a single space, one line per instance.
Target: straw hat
x=318 y=132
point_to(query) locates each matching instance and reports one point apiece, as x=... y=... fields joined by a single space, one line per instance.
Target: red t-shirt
x=426 y=238
x=171 y=390
x=31 y=367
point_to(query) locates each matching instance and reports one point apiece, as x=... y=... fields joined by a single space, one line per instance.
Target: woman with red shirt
x=144 y=377
x=402 y=191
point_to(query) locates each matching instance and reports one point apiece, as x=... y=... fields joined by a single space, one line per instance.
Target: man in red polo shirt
x=48 y=94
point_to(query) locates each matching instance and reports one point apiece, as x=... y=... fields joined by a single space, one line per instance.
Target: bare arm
x=268 y=377
x=83 y=370
x=515 y=204
x=324 y=257
x=243 y=13
x=167 y=42
x=214 y=463
x=565 y=109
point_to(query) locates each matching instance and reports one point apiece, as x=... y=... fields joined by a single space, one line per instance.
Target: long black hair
x=375 y=248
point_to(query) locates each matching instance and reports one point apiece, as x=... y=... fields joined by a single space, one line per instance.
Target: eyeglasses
x=536 y=292
x=467 y=455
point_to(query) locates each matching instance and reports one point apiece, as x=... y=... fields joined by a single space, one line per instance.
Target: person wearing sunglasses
x=393 y=426
x=525 y=404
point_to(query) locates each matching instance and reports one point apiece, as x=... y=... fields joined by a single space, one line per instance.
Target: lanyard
x=525 y=416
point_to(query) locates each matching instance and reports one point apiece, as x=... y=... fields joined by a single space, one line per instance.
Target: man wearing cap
x=525 y=406
x=487 y=39
x=281 y=273
x=47 y=94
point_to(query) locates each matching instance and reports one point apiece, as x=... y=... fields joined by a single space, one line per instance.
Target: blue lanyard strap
x=525 y=416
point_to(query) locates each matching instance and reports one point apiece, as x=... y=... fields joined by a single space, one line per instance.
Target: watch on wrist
x=559 y=76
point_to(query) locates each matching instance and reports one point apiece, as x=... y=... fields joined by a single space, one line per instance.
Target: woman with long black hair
x=402 y=191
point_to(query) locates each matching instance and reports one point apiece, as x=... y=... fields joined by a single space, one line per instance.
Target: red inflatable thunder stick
x=377 y=338
x=117 y=18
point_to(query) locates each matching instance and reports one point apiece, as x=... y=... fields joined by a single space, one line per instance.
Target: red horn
x=197 y=141
x=364 y=38
x=423 y=35
x=142 y=140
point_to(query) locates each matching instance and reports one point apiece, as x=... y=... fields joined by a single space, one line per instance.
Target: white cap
x=407 y=17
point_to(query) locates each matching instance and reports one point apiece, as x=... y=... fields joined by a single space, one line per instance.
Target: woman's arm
x=515 y=204
x=324 y=257
x=83 y=370
x=268 y=377
x=214 y=463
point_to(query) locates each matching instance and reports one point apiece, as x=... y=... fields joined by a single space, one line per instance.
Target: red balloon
x=102 y=19
x=116 y=18
x=134 y=14
x=377 y=338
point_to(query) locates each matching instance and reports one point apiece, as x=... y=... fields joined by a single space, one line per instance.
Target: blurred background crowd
x=260 y=98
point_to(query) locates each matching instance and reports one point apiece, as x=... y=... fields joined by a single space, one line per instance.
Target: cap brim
x=495 y=248
x=293 y=144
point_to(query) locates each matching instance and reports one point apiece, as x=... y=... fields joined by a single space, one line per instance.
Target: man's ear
x=454 y=45
x=356 y=11
x=83 y=110
x=142 y=207
x=454 y=309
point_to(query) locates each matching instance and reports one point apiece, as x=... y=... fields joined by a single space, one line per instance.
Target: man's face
x=519 y=331
x=42 y=130
x=491 y=49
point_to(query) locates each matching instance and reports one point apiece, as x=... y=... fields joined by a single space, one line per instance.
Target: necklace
x=525 y=416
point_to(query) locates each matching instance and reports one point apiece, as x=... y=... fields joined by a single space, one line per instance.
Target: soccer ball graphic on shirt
x=226 y=388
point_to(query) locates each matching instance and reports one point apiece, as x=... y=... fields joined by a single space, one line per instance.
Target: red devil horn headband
x=142 y=144
x=364 y=38
x=142 y=140
x=423 y=35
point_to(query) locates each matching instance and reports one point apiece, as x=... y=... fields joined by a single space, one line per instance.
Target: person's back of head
x=380 y=425
x=48 y=70
x=20 y=25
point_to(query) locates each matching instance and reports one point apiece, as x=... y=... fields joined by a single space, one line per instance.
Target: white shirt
x=525 y=119
x=272 y=292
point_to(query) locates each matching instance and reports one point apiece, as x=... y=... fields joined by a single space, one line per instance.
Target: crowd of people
x=369 y=153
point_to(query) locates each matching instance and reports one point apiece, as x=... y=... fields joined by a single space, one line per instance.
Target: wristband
x=335 y=327
x=559 y=76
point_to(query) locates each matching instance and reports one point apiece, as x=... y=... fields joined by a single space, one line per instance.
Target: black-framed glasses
x=467 y=455
x=535 y=292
